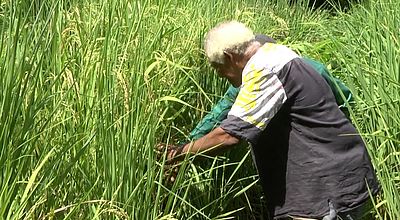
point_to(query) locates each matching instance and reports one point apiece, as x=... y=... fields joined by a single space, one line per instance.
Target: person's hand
x=171 y=166
x=173 y=151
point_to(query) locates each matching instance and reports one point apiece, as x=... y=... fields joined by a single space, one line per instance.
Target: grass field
x=88 y=88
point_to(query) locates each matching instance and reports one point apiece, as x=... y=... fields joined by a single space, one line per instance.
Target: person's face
x=230 y=71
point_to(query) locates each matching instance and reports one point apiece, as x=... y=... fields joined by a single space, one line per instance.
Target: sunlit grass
x=370 y=50
x=88 y=88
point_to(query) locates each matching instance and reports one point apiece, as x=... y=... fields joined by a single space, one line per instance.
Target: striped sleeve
x=261 y=95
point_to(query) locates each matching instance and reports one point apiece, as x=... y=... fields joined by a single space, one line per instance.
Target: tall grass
x=88 y=88
x=369 y=51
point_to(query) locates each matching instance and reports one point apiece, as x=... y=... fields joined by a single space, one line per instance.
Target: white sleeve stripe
x=264 y=106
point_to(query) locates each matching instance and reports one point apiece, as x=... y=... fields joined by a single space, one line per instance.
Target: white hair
x=230 y=36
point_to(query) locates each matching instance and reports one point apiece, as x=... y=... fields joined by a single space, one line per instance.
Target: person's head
x=228 y=47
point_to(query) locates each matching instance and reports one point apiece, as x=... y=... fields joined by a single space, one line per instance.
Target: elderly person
x=220 y=110
x=311 y=161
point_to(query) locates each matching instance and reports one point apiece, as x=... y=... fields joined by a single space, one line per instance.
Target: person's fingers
x=161 y=148
x=171 y=154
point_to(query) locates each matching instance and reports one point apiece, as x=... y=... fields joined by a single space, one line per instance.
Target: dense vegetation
x=88 y=88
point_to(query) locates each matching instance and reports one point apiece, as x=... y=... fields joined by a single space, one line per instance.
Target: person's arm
x=215 y=140
x=250 y=113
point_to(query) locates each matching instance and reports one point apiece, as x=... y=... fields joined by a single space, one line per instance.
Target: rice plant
x=368 y=51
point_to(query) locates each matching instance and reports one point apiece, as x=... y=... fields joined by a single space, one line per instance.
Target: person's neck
x=252 y=49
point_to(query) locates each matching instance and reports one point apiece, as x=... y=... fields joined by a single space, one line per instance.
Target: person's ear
x=229 y=56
